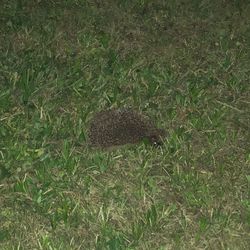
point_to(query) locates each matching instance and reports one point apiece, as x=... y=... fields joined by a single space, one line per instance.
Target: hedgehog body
x=116 y=127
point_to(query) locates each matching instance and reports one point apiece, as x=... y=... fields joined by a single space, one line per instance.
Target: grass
x=185 y=64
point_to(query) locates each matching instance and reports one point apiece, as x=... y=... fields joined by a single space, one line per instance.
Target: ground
x=185 y=64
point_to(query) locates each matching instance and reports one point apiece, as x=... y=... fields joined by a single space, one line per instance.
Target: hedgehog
x=117 y=127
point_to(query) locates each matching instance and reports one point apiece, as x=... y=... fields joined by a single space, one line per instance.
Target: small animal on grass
x=116 y=127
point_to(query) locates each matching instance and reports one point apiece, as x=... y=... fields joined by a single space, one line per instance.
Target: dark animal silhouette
x=116 y=127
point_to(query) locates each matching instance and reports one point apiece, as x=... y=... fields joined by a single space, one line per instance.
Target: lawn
x=185 y=64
